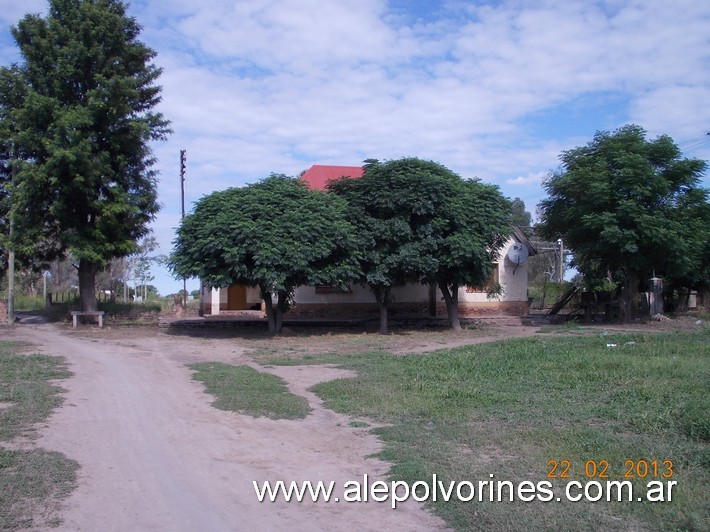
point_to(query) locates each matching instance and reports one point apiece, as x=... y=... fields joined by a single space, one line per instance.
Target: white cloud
x=530 y=179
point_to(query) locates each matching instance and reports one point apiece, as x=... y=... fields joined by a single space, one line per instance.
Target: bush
x=552 y=292
x=131 y=310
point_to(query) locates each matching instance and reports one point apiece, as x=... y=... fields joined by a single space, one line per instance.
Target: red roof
x=318 y=175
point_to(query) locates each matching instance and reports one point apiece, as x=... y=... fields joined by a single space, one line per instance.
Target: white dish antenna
x=518 y=254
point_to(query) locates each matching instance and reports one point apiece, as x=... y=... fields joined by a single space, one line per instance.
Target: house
x=511 y=272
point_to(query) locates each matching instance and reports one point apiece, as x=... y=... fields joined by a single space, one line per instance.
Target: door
x=237 y=297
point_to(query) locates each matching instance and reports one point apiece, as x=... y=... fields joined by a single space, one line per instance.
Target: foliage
x=276 y=234
x=630 y=205
x=603 y=285
x=521 y=217
x=546 y=294
x=32 y=245
x=419 y=221
x=694 y=272
x=130 y=310
x=84 y=129
x=477 y=224
x=394 y=206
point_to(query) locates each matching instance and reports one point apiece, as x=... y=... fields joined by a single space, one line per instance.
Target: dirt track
x=155 y=455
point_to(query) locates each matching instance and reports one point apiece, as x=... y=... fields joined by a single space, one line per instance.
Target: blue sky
x=494 y=90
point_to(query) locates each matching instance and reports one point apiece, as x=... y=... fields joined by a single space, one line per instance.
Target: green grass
x=29 y=303
x=32 y=482
x=24 y=382
x=248 y=391
x=509 y=407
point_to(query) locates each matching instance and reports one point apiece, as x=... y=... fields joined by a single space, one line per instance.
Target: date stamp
x=602 y=469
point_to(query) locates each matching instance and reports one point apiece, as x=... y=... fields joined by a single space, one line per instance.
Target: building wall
x=217 y=299
x=412 y=299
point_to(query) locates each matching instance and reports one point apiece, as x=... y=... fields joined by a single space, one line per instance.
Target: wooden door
x=237 y=297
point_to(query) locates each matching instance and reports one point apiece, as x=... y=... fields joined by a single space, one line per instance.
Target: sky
x=494 y=90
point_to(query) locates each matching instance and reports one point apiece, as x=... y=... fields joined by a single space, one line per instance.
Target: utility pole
x=183 y=161
x=562 y=260
x=11 y=251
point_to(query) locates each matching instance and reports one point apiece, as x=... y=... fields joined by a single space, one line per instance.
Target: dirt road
x=155 y=455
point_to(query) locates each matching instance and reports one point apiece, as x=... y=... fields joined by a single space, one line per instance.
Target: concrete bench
x=76 y=313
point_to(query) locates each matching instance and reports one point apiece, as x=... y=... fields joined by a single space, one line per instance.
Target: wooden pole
x=183 y=163
x=11 y=251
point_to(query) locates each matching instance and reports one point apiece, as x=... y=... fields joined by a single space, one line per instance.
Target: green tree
x=626 y=204
x=521 y=218
x=84 y=129
x=32 y=244
x=418 y=221
x=276 y=234
x=11 y=95
x=392 y=209
x=477 y=225
x=693 y=273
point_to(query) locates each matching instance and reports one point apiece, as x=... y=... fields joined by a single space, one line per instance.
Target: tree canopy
x=629 y=206
x=418 y=221
x=83 y=130
x=521 y=217
x=275 y=234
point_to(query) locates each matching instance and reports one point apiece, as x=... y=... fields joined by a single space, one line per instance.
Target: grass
x=24 y=382
x=248 y=391
x=315 y=341
x=32 y=482
x=508 y=408
x=29 y=303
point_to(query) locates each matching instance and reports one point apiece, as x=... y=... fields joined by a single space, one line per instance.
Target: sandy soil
x=155 y=455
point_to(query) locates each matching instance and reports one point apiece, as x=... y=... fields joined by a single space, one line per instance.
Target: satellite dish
x=518 y=254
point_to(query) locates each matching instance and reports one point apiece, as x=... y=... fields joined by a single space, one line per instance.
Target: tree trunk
x=270 y=317
x=703 y=297
x=383 y=319
x=630 y=295
x=432 y=300
x=281 y=307
x=87 y=285
x=451 y=298
x=382 y=295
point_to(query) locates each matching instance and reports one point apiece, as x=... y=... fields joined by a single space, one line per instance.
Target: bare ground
x=155 y=455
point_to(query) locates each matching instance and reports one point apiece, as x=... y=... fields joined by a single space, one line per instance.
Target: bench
x=76 y=313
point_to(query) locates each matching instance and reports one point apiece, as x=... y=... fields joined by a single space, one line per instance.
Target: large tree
x=84 y=129
x=477 y=225
x=627 y=205
x=275 y=234
x=420 y=222
x=391 y=206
